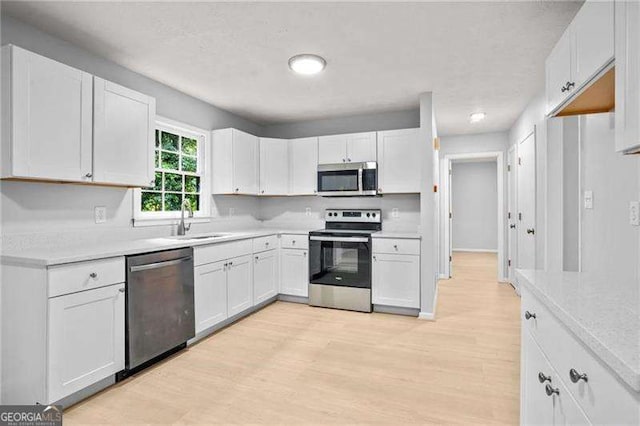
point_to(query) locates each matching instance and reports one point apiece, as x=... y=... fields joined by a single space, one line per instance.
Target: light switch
x=634 y=213
x=588 y=199
x=308 y=211
x=394 y=213
x=100 y=214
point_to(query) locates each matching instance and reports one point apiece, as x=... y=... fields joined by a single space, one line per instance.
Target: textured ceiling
x=380 y=56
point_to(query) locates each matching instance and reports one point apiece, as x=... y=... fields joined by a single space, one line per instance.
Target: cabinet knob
x=542 y=378
x=564 y=89
x=374 y=258
x=152 y=182
x=93 y=275
x=512 y=226
x=256 y=257
x=576 y=377
x=88 y=175
x=262 y=192
x=528 y=315
x=349 y=160
x=531 y=231
x=395 y=246
x=230 y=264
x=267 y=244
x=121 y=290
x=304 y=253
x=550 y=390
x=570 y=85
x=237 y=189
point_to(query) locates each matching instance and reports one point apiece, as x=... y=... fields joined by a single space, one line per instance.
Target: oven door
x=343 y=261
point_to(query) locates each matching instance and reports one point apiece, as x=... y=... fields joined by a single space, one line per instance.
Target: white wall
x=474 y=206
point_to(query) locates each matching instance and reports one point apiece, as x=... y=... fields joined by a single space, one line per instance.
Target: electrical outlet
x=307 y=211
x=588 y=199
x=395 y=213
x=100 y=214
x=232 y=211
x=634 y=213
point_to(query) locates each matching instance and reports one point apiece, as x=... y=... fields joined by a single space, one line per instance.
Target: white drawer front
x=74 y=277
x=396 y=246
x=265 y=243
x=293 y=241
x=217 y=252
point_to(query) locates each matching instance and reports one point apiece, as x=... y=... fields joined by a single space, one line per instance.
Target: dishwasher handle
x=162 y=264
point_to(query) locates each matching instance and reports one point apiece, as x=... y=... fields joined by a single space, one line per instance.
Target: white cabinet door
x=526 y=177
x=303 y=166
x=210 y=295
x=265 y=276
x=294 y=276
x=123 y=135
x=221 y=164
x=50 y=118
x=86 y=339
x=361 y=147
x=274 y=166
x=558 y=72
x=396 y=280
x=536 y=406
x=246 y=158
x=566 y=411
x=239 y=284
x=593 y=40
x=398 y=162
x=627 y=49
x=332 y=149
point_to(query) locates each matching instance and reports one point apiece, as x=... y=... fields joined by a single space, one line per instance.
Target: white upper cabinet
x=354 y=147
x=398 y=161
x=235 y=158
x=274 y=166
x=123 y=135
x=303 y=166
x=583 y=51
x=47 y=109
x=627 y=116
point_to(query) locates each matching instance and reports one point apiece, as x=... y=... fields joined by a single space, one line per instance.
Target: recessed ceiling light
x=477 y=117
x=307 y=64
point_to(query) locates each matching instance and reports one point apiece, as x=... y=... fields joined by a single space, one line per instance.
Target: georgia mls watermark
x=30 y=415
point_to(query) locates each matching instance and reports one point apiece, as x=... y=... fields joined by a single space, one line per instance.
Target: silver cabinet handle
x=528 y=315
x=542 y=378
x=93 y=275
x=576 y=377
x=550 y=390
x=512 y=226
x=262 y=192
x=293 y=242
x=230 y=264
x=304 y=254
x=237 y=189
x=121 y=290
x=257 y=257
x=375 y=258
x=344 y=160
x=564 y=89
x=89 y=175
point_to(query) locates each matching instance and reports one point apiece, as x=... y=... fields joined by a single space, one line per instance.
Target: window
x=179 y=175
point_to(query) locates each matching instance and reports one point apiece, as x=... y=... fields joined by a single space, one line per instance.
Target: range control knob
x=374 y=215
x=368 y=214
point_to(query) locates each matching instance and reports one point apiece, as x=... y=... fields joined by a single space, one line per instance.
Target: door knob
x=531 y=231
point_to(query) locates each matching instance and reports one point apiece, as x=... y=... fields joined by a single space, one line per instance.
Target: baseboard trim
x=443 y=277
x=384 y=309
x=85 y=393
x=476 y=250
x=293 y=299
x=427 y=316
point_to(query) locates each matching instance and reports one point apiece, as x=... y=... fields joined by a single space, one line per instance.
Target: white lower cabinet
x=265 y=275
x=396 y=280
x=86 y=339
x=294 y=277
x=239 y=285
x=210 y=295
x=537 y=407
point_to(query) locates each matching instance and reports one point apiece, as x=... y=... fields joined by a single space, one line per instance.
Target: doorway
x=468 y=206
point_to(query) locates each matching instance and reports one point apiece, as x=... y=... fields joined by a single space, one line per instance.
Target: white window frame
x=141 y=218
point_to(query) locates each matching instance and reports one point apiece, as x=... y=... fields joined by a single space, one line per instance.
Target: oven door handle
x=341 y=239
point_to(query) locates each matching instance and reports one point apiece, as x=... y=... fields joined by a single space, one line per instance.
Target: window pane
x=172 y=182
x=170 y=161
x=189 y=146
x=172 y=202
x=158 y=185
x=191 y=184
x=157 y=160
x=157 y=138
x=169 y=141
x=151 y=202
x=194 y=199
x=189 y=164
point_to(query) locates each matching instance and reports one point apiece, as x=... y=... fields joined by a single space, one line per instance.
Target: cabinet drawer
x=74 y=277
x=398 y=246
x=265 y=243
x=293 y=241
x=217 y=252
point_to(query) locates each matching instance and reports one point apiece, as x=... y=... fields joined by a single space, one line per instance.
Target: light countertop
x=603 y=313
x=400 y=235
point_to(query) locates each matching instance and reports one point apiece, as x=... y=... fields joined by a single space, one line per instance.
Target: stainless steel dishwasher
x=159 y=306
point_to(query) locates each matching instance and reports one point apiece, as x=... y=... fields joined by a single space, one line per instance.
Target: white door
x=246 y=158
x=123 y=135
x=526 y=226
x=303 y=166
x=396 y=280
x=332 y=149
x=274 y=166
x=450 y=222
x=294 y=275
x=537 y=407
x=210 y=295
x=558 y=72
x=51 y=116
x=86 y=339
x=239 y=284
x=593 y=37
x=512 y=216
x=361 y=147
x=265 y=276
x=398 y=166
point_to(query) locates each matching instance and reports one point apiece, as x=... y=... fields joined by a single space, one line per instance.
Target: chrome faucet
x=182 y=228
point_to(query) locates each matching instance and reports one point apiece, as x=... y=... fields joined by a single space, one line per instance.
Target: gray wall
x=475 y=200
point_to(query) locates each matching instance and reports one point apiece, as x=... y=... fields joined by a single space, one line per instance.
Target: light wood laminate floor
x=294 y=364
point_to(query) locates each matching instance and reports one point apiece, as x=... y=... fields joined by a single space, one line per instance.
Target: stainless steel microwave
x=348 y=179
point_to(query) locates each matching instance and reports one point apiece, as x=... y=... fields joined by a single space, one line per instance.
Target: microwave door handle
x=341 y=239
x=360 y=185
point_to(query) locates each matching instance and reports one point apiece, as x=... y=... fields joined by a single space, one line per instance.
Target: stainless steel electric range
x=340 y=260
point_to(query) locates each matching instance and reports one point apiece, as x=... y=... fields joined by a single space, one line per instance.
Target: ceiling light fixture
x=476 y=117
x=307 y=64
